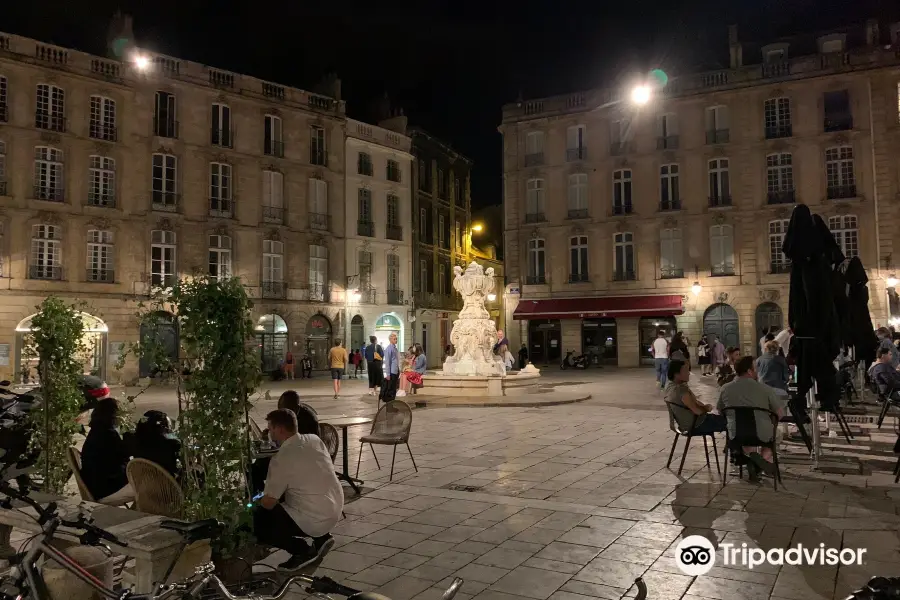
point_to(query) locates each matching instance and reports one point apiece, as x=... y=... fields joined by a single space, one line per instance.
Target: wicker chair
x=73 y=457
x=329 y=435
x=255 y=431
x=156 y=492
x=390 y=428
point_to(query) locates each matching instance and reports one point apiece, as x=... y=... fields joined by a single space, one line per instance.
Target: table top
x=347 y=421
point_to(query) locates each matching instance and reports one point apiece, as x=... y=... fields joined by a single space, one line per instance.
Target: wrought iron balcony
x=163 y=280
x=393 y=232
x=720 y=201
x=165 y=127
x=49 y=193
x=534 y=159
x=536 y=279
x=366 y=228
x=221 y=208
x=274 y=290
x=273 y=148
x=49 y=121
x=671 y=273
x=223 y=138
x=537 y=217
x=841 y=192
x=781 y=197
x=101 y=275
x=102 y=131
x=838 y=123
x=368 y=296
x=318 y=292
x=578 y=277
x=624 y=276
x=776 y=268
x=622 y=209
x=575 y=154
x=105 y=200
x=318 y=221
x=273 y=214
x=667 y=142
x=318 y=157
x=45 y=272
x=718 y=136
x=395 y=297
x=779 y=131
x=721 y=270
x=165 y=201
x=578 y=213
x=670 y=205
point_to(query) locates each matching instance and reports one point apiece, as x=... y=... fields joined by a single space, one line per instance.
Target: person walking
x=703 y=356
x=660 y=349
x=337 y=359
x=374 y=355
x=289 y=365
x=717 y=354
x=358 y=363
x=392 y=363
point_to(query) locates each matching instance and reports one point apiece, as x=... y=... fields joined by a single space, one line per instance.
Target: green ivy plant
x=57 y=341
x=216 y=335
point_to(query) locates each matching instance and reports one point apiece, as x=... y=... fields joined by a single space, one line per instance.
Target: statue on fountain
x=474 y=334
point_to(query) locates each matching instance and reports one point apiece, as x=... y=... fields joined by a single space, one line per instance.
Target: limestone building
x=624 y=219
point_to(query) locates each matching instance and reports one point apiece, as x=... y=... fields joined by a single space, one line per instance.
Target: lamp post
x=349 y=294
x=696 y=288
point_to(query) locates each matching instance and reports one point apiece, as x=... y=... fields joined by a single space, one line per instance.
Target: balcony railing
x=667 y=142
x=50 y=121
x=366 y=228
x=721 y=270
x=670 y=205
x=101 y=275
x=670 y=273
x=575 y=154
x=273 y=214
x=367 y=295
x=777 y=268
x=718 y=136
x=163 y=280
x=534 y=159
x=166 y=128
x=103 y=131
x=578 y=277
x=393 y=232
x=100 y=199
x=537 y=217
x=3 y=189
x=275 y=290
x=395 y=297
x=838 y=123
x=779 y=131
x=536 y=279
x=624 y=276
x=318 y=292
x=622 y=209
x=224 y=138
x=781 y=197
x=273 y=148
x=578 y=213
x=4 y=113
x=318 y=221
x=620 y=148
x=45 y=272
x=841 y=192
x=165 y=201
x=318 y=157
x=221 y=208
x=720 y=201
x=49 y=193
x=776 y=68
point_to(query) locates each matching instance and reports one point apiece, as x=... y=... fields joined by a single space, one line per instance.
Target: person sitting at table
x=884 y=374
x=690 y=414
x=104 y=457
x=302 y=497
x=307 y=423
x=153 y=440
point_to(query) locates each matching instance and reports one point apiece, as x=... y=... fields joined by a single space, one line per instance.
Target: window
x=780 y=178
x=669 y=198
x=898 y=101
x=220 y=193
x=536 y=262
x=831 y=46
x=457 y=230
x=164 y=123
x=838 y=116
x=424 y=176
x=622 y=192
x=624 y=257
x=620 y=131
x=717 y=128
x=318 y=272
x=3 y=190
x=719 y=183
x=778 y=262
x=165 y=170
x=162 y=259
x=393 y=273
x=221 y=133
x=46 y=260
x=721 y=239
x=50 y=110
x=458 y=193
x=48 y=174
x=102 y=181
x=670 y=254
x=578 y=258
x=778 y=118
x=424 y=230
x=273 y=142
x=273 y=261
x=840 y=180
x=364 y=268
x=442 y=232
x=273 y=196
x=220 y=256
x=846 y=234
x=424 y=279
x=4 y=100
x=100 y=256
x=364 y=197
x=393 y=171
x=318 y=204
x=534 y=148
x=534 y=201
x=317 y=153
x=443 y=182
x=578 y=207
x=575 y=143
x=393 y=210
x=442 y=279
x=364 y=164
x=666 y=132
x=103 y=119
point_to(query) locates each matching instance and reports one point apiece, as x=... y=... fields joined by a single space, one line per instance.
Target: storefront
x=272 y=339
x=358 y=338
x=387 y=324
x=650 y=328
x=94 y=340
x=544 y=342
x=599 y=339
x=318 y=340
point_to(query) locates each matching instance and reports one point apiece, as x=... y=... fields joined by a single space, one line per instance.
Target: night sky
x=450 y=65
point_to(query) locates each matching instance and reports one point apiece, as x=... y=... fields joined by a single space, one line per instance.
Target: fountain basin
x=436 y=383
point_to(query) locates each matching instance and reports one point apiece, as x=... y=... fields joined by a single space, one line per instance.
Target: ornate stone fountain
x=474 y=334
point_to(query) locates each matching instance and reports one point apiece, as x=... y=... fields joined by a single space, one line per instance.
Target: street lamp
x=141 y=62
x=491 y=297
x=640 y=95
x=892 y=281
x=696 y=288
x=477 y=227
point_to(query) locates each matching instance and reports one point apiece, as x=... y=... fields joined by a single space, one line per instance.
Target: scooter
x=574 y=362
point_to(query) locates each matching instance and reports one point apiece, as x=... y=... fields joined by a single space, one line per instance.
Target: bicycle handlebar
x=878 y=588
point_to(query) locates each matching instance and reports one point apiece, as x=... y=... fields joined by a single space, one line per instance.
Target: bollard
x=62 y=585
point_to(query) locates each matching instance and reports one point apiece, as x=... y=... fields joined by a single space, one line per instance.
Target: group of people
x=711 y=354
x=288 y=364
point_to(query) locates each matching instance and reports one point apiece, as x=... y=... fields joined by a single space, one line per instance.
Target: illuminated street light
x=141 y=62
x=640 y=95
x=696 y=288
x=491 y=297
x=892 y=280
x=477 y=227
x=355 y=296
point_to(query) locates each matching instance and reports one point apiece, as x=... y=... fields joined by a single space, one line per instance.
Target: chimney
x=396 y=122
x=329 y=86
x=873 y=36
x=735 y=50
x=119 y=36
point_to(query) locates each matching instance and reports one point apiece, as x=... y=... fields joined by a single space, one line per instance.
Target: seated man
x=692 y=413
x=884 y=374
x=726 y=371
x=302 y=497
x=307 y=423
x=746 y=391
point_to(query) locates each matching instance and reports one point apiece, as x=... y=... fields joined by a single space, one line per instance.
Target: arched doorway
x=385 y=326
x=164 y=326
x=544 y=341
x=768 y=314
x=318 y=340
x=272 y=336
x=357 y=333
x=722 y=321
x=95 y=340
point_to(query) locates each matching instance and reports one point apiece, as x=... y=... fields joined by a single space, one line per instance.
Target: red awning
x=609 y=307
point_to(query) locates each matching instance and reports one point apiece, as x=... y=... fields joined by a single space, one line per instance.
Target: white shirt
x=660 y=348
x=302 y=472
x=783 y=338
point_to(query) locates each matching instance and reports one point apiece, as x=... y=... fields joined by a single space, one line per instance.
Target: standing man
x=337 y=358
x=392 y=361
x=289 y=365
x=374 y=354
x=660 y=349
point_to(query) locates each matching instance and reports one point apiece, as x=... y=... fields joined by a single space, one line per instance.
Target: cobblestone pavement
x=574 y=501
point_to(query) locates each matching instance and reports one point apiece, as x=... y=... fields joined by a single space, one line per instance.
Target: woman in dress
x=703 y=358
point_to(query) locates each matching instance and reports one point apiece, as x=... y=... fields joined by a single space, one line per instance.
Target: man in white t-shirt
x=660 y=349
x=302 y=498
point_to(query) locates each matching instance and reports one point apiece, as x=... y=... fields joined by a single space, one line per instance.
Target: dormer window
x=774 y=53
x=832 y=46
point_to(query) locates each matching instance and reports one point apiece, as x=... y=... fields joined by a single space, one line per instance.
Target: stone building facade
x=116 y=177
x=623 y=219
